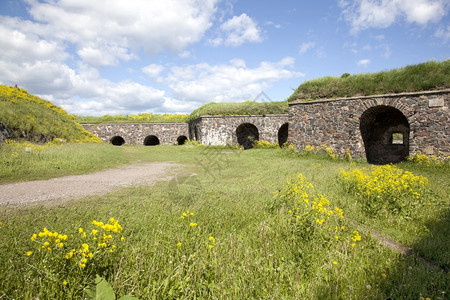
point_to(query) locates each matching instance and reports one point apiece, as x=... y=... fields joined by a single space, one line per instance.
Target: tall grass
x=26 y=161
x=422 y=77
x=226 y=233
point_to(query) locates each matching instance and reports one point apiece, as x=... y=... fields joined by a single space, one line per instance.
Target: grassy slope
x=414 y=78
x=255 y=255
x=242 y=108
x=34 y=119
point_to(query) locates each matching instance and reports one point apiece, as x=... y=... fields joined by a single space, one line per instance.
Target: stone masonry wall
x=220 y=130
x=135 y=133
x=337 y=122
x=4 y=133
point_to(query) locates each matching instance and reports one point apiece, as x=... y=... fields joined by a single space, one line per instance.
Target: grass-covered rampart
x=139 y=118
x=414 y=78
x=36 y=120
x=238 y=109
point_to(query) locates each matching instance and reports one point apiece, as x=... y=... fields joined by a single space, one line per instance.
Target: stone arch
x=117 y=140
x=151 y=140
x=181 y=140
x=247 y=134
x=283 y=134
x=385 y=133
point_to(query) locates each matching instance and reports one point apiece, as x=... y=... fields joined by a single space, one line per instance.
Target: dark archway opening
x=181 y=140
x=117 y=140
x=283 y=134
x=247 y=134
x=151 y=140
x=385 y=132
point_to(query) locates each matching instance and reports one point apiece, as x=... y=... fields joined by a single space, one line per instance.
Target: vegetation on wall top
x=238 y=109
x=139 y=118
x=36 y=120
x=414 y=78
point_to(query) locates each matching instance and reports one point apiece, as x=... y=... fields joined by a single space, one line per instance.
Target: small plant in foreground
x=313 y=218
x=387 y=188
x=70 y=260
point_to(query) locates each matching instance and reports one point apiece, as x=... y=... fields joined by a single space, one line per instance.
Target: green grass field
x=230 y=232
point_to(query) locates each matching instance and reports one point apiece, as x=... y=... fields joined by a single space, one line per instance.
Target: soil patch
x=79 y=186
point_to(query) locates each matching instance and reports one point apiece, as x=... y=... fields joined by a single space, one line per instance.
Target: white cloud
x=364 y=63
x=153 y=70
x=232 y=82
x=443 y=33
x=105 y=32
x=364 y=14
x=237 y=31
x=305 y=46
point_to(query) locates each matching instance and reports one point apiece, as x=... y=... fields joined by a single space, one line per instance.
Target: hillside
x=36 y=120
x=414 y=78
x=242 y=108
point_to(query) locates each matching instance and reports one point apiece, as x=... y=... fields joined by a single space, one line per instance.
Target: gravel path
x=78 y=186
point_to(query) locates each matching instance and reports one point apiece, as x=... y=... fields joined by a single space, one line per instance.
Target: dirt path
x=78 y=186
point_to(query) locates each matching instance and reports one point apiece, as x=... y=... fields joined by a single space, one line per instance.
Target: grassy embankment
x=414 y=78
x=243 y=240
x=31 y=118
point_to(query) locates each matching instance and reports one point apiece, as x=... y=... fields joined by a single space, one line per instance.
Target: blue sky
x=172 y=56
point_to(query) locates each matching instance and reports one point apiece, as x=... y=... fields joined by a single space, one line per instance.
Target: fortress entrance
x=385 y=132
x=117 y=140
x=283 y=134
x=181 y=140
x=151 y=140
x=247 y=134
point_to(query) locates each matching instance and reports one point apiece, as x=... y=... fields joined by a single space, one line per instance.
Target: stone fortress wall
x=385 y=128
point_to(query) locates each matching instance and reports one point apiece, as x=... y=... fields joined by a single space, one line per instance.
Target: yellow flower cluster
x=383 y=186
x=186 y=214
x=264 y=145
x=434 y=160
x=311 y=211
x=83 y=247
x=211 y=242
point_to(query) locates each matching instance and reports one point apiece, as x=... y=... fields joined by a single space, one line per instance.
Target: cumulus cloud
x=105 y=32
x=364 y=14
x=153 y=70
x=237 y=31
x=227 y=82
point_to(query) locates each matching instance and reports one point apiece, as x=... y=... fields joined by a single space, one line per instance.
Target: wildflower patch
x=384 y=188
x=314 y=219
x=72 y=259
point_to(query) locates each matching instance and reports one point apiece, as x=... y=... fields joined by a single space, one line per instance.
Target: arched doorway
x=151 y=140
x=283 y=134
x=385 y=132
x=247 y=134
x=117 y=140
x=181 y=140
